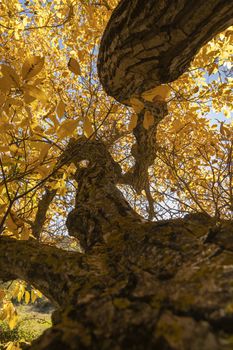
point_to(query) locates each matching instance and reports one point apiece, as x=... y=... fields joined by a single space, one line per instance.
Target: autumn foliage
x=50 y=93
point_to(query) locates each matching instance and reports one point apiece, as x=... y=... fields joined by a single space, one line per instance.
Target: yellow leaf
x=5 y=126
x=13 y=148
x=114 y=108
x=39 y=294
x=133 y=122
x=14 y=102
x=227 y=113
x=160 y=93
x=60 y=110
x=81 y=55
x=51 y=131
x=20 y=295
x=11 y=314
x=21 y=292
x=43 y=170
x=38 y=81
x=11 y=75
x=2 y=294
x=74 y=66
x=177 y=125
x=11 y=225
x=33 y=296
x=54 y=120
x=36 y=93
x=32 y=66
x=44 y=151
x=148 y=120
x=37 y=128
x=136 y=104
x=13 y=321
x=7 y=160
x=25 y=234
x=2 y=208
x=27 y=297
x=87 y=127
x=65 y=74
x=60 y=187
x=3 y=314
x=2 y=97
x=4 y=148
x=225 y=131
x=28 y=99
x=16 y=290
x=67 y=127
x=5 y=84
x=13 y=346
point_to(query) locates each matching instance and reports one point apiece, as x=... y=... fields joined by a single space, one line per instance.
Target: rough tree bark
x=147 y=43
x=137 y=284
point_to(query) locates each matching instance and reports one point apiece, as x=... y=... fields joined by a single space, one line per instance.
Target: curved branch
x=40 y=265
x=150 y=42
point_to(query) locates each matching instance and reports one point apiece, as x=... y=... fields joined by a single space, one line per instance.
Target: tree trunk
x=164 y=285
x=137 y=284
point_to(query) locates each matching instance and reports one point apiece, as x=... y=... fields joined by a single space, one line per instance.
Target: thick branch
x=168 y=286
x=144 y=150
x=100 y=207
x=149 y=42
x=40 y=265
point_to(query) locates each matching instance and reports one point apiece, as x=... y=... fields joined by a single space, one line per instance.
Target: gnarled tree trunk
x=164 y=285
x=137 y=284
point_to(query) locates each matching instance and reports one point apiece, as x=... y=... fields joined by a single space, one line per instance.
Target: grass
x=33 y=320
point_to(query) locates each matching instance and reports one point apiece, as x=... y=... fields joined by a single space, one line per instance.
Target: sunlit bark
x=138 y=284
